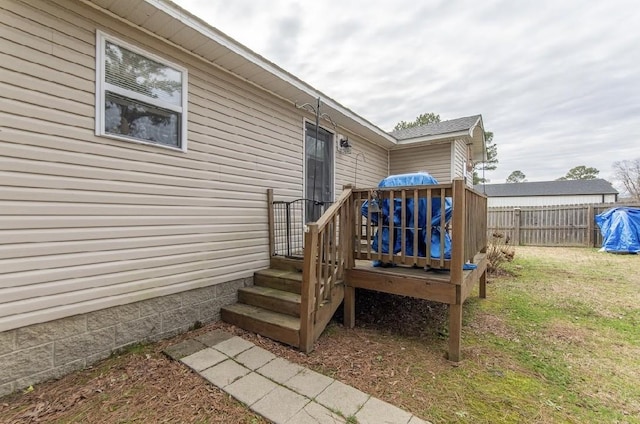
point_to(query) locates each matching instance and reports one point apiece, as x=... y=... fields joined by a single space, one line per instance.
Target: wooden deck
x=434 y=285
x=298 y=297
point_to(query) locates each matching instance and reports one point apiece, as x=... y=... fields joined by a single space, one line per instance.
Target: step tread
x=273 y=293
x=285 y=263
x=279 y=273
x=259 y=314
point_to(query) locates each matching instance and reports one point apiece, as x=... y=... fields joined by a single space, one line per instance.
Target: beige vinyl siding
x=434 y=159
x=372 y=165
x=89 y=222
x=460 y=156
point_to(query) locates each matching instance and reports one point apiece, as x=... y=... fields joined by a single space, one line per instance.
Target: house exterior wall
x=550 y=200
x=434 y=159
x=372 y=165
x=91 y=225
x=460 y=155
x=91 y=222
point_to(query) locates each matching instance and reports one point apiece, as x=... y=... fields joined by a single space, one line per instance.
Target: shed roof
x=438 y=128
x=548 y=188
x=470 y=129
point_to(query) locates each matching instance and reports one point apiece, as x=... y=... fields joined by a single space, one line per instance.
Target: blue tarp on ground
x=385 y=214
x=620 y=228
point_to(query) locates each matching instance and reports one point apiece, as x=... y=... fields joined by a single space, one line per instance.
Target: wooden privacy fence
x=571 y=225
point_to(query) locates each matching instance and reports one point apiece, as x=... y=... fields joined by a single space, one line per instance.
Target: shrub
x=499 y=251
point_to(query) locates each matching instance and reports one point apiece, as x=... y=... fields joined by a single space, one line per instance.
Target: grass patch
x=555 y=341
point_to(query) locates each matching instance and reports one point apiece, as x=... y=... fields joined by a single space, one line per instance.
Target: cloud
x=558 y=82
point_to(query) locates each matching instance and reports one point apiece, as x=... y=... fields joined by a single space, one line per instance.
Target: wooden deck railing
x=402 y=240
x=343 y=234
x=476 y=223
x=326 y=256
x=405 y=240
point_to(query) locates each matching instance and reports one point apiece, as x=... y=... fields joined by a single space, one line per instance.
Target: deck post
x=483 y=285
x=349 y=306
x=457 y=261
x=308 y=288
x=455 y=331
x=348 y=248
x=459 y=223
x=349 y=228
x=272 y=238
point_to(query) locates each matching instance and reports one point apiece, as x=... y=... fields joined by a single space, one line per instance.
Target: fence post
x=591 y=218
x=516 y=226
x=272 y=238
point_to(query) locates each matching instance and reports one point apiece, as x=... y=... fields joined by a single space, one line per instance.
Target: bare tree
x=627 y=172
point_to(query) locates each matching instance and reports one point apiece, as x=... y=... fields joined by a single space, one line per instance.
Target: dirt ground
x=551 y=343
x=140 y=385
x=143 y=385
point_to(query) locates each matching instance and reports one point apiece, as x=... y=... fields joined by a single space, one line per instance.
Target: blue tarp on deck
x=388 y=212
x=620 y=228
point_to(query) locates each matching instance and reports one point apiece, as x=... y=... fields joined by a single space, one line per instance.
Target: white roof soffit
x=169 y=21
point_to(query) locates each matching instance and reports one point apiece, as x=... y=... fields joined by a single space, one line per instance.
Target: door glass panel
x=319 y=171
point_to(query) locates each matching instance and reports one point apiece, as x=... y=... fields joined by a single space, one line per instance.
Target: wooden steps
x=289 y=281
x=272 y=299
x=281 y=327
x=271 y=307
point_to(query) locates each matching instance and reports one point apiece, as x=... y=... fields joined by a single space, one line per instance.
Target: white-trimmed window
x=140 y=97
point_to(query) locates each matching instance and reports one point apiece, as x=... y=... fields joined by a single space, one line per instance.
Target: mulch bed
x=141 y=385
x=144 y=385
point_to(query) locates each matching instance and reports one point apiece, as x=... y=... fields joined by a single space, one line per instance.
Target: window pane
x=135 y=72
x=137 y=120
x=319 y=169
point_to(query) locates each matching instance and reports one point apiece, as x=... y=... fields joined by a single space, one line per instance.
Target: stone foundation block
x=38 y=334
x=194 y=297
x=179 y=318
x=138 y=331
x=25 y=362
x=7 y=341
x=112 y=316
x=69 y=349
x=159 y=305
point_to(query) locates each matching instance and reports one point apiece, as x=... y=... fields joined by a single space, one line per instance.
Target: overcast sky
x=558 y=82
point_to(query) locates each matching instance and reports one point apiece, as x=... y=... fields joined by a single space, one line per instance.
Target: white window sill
x=146 y=143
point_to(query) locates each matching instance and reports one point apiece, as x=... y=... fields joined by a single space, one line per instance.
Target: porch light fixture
x=344 y=146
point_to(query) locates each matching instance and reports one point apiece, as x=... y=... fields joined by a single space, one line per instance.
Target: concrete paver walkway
x=281 y=391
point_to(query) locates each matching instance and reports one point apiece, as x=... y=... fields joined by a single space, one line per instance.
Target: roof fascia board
x=473 y=127
x=430 y=139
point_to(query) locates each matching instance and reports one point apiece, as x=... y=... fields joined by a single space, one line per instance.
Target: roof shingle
x=548 y=188
x=437 y=128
